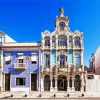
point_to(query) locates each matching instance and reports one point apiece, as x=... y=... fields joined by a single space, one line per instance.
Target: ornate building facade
x=62 y=58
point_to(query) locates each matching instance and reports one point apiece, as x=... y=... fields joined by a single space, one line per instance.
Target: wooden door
x=7 y=82
x=33 y=82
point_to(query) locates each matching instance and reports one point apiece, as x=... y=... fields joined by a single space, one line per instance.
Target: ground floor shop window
x=20 y=81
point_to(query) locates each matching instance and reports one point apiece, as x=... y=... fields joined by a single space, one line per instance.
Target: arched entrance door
x=77 y=83
x=47 y=83
x=62 y=83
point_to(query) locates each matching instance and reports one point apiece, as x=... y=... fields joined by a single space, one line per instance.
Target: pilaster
x=51 y=87
x=56 y=84
x=42 y=83
x=73 y=89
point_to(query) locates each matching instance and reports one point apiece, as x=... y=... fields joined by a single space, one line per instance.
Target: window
x=62 y=60
x=0 y=39
x=70 y=41
x=77 y=59
x=20 y=81
x=34 y=58
x=47 y=60
x=62 y=41
x=77 y=41
x=20 y=58
x=47 y=41
x=7 y=58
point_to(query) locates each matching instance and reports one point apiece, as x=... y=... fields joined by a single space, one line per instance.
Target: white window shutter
x=21 y=57
x=8 y=58
x=33 y=57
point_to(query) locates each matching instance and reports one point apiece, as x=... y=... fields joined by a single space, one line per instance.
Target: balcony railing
x=62 y=47
x=47 y=47
x=19 y=66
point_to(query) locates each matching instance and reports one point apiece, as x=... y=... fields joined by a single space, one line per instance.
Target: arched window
x=47 y=60
x=62 y=60
x=47 y=41
x=70 y=41
x=77 y=59
x=47 y=83
x=62 y=83
x=77 y=83
x=53 y=41
x=62 y=40
x=77 y=41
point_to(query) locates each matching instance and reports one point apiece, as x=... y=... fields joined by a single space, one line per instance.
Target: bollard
x=40 y=95
x=82 y=95
x=54 y=95
x=67 y=95
x=12 y=95
x=25 y=95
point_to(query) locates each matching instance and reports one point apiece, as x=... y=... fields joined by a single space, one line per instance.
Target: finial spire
x=61 y=11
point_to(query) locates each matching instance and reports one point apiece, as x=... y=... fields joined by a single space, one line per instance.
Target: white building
x=62 y=58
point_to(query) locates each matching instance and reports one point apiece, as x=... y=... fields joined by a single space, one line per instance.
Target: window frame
x=24 y=81
x=34 y=62
x=7 y=62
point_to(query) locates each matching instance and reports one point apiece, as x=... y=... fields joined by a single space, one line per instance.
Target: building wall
x=30 y=68
x=97 y=61
x=93 y=85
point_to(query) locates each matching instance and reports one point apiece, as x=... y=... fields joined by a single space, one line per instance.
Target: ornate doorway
x=47 y=83
x=77 y=83
x=62 y=83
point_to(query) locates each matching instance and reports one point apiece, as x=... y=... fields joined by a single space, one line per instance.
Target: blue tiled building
x=21 y=65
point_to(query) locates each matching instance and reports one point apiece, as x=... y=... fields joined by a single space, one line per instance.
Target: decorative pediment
x=78 y=33
x=46 y=33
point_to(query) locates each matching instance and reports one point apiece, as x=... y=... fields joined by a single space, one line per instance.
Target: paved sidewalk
x=48 y=95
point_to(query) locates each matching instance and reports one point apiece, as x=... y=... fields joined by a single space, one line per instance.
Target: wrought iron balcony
x=19 y=66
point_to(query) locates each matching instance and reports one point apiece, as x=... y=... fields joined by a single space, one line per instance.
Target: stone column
x=73 y=89
x=73 y=43
x=43 y=42
x=67 y=42
x=81 y=43
x=42 y=83
x=68 y=88
x=82 y=57
x=51 y=59
x=56 y=41
x=74 y=61
x=56 y=88
x=43 y=60
x=50 y=42
x=51 y=87
x=82 y=83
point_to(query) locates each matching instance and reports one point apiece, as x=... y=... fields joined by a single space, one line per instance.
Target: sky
x=24 y=20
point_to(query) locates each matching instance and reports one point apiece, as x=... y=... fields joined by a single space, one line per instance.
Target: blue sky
x=24 y=20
